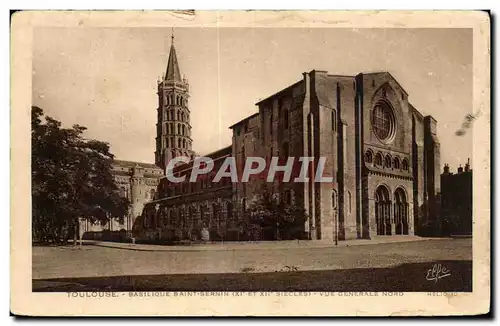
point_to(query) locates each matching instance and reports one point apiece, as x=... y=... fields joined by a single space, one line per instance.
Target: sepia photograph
x=171 y=159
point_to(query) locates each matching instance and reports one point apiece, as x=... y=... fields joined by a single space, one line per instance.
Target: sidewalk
x=262 y=245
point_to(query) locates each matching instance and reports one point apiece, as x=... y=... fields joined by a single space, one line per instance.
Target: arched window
x=378 y=159
x=397 y=165
x=190 y=216
x=179 y=129
x=334 y=120
x=244 y=205
x=183 y=130
x=405 y=165
x=178 y=115
x=285 y=150
x=288 y=197
x=172 y=143
x=183 y=143
x=215 y=213
x=334 y=199
x=387 y=161
x=349 y=201
x=229 y=210
x=179 y=143
x=152 y=194
x=369 y=157
x=205 y=218
x=182 y=116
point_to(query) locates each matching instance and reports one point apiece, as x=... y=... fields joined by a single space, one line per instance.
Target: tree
x=71 y=179
x=275 y=219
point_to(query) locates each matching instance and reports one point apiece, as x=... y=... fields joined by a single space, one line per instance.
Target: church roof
x=131 y=164
x=173 y=72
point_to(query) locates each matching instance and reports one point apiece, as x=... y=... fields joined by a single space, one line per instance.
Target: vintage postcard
x=235 y=163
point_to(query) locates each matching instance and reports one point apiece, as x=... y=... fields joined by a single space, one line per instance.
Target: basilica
x=382 y=152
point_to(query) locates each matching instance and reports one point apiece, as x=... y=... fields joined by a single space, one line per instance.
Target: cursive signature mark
x=437 y=272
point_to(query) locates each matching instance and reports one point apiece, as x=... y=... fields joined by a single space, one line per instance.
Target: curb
x=216 y=247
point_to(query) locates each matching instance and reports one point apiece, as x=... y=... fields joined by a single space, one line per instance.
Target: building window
x=285 y=149
x=334 y=199
x=215 y=214
x=368 y=157
x=288 y=197
x=334 y=120
x=229 y=210
x=387 y=161
x=152 y=193
x=396 y=163
x=271 y=123
x=405 y=165
x=349 y=201
x=378 y=159
x=383 y=121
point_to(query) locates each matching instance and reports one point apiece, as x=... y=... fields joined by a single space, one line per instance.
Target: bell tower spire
x=173 y=129
x=173 y=72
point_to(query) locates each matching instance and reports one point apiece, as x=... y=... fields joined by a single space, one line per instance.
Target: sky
x=105 y=78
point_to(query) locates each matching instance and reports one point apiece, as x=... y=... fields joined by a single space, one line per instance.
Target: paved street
x=103 y=266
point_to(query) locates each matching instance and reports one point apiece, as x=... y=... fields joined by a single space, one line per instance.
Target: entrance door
x=383 y=211
x=401 y=212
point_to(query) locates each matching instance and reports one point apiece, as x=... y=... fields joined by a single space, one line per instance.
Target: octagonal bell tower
x=173 y=127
